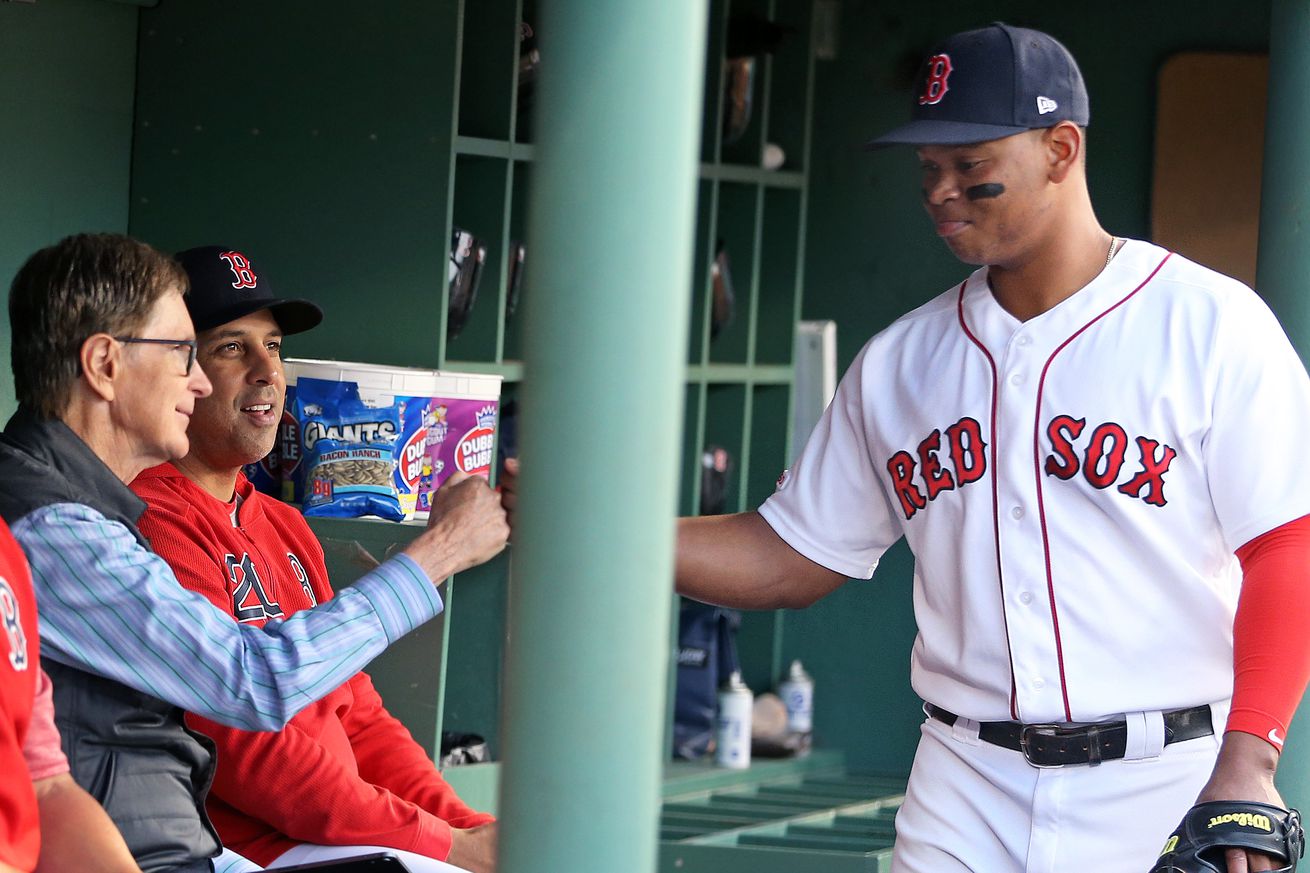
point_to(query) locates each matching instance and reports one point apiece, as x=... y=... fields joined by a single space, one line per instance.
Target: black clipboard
x=378 y=862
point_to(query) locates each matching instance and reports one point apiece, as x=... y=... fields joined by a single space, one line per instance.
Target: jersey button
x=1017 y=513
x=1039 y=684
x=1025 y=340
x=1026 y=598
x=1016 y=379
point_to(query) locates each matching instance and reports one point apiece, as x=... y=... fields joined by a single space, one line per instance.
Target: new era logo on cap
x=992 y=83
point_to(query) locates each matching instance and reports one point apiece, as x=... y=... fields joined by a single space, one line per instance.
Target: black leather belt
x=1059 y=744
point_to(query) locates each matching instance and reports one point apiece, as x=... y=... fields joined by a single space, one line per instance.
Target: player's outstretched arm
x=467 y=526
x=740 y=561
x=128 y=619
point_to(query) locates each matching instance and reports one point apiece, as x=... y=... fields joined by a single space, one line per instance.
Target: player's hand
x=1244 y=862
x=467 y=522
x=508 y=485
x=1244 y=771
x=474 y=849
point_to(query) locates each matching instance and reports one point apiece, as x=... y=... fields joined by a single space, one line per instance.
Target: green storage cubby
x=693 y=443
x=770 y=409
x=702 y=265
x=518 y=231
x=482 y=190
x=487 y=68
x=738 y=229
x=778 y=298
x=727 y=412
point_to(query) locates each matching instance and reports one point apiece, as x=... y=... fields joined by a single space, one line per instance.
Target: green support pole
x=608 y=297
x=1284 y=257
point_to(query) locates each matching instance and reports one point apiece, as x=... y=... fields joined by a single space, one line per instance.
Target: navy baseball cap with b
x=991 y=83
x=226 y=285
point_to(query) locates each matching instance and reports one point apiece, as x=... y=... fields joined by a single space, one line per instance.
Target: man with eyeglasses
x=104 y=369
x=345 y=776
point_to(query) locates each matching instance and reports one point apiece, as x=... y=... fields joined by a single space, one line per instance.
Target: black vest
x=130 y=751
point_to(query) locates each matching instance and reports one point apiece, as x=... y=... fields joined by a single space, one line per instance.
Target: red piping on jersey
x=1037 y=468
x=996 y=518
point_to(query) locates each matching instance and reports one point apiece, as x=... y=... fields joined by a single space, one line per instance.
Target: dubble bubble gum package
x=456 y=435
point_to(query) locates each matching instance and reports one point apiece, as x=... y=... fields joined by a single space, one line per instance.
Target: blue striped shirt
x=112 y=607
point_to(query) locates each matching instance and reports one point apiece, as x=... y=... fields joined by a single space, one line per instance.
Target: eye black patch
x=984 y=191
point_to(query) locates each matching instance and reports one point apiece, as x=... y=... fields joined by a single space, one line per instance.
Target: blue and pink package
x=446 y=422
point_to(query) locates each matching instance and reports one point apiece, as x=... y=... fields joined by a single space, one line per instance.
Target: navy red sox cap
x=225 y=285
x=991 y=83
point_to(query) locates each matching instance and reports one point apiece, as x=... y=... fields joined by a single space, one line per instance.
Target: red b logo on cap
x=241 y=269
x=939 y=70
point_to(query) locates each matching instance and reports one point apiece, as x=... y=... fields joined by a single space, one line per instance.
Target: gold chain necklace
x=1109 y=256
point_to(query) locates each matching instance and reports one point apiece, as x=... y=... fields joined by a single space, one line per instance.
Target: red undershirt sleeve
x=1271 y=634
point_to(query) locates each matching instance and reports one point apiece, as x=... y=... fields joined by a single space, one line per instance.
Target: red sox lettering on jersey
x=919 y=477
x=968 y=464
x=1103 y=459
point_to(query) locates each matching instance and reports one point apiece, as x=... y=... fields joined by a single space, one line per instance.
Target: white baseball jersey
x=1073 y=487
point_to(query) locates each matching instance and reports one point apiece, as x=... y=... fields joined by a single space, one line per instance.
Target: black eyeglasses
x=189 y=345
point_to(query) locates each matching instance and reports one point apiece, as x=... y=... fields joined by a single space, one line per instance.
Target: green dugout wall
x=67 y=81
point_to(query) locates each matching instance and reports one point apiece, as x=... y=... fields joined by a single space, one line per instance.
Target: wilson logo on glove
x=1244 y=820
x=1198 y=844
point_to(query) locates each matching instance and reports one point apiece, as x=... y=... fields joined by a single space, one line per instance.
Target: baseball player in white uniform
x=1080 y=444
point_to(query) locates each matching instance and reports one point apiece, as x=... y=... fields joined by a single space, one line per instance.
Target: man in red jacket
x=344 y=775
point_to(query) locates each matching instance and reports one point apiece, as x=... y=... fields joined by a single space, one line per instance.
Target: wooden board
x=1209 y=146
